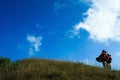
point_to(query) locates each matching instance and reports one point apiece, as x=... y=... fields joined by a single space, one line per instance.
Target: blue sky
x=76 y=30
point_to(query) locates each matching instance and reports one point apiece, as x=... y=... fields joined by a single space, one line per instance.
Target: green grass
x=41 y=69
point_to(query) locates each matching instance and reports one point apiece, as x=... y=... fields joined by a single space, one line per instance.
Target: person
x=105 y=58
x=103 y=54
x=108 y=60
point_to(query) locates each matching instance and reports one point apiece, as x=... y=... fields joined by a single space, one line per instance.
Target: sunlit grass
x=41 y=69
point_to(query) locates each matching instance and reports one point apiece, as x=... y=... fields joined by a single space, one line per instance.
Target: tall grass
x=41 y=69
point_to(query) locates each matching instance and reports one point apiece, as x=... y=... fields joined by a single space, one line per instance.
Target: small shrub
x=4 y=62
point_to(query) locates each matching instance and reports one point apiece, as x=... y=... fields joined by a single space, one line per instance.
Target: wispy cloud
x=102 y=21
x=67 y=3
x=72 y=33
x=87 y=2
x=38 y=25
x=88 y=62
x=58 y=5
x=35 y=43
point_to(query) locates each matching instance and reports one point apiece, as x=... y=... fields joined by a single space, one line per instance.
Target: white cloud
x=88 y=62
x=35 y=43
x=86 y=1
x=58 y=5
x=38 y=25
x=72 y=33
x=102 y=21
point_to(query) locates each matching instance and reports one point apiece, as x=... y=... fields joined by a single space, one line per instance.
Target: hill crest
x=42 y=69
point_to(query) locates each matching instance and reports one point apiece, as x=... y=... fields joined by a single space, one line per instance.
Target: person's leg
x=104 y=64
x=109 y=66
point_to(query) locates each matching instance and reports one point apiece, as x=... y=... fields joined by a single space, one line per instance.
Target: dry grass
x=41 y=69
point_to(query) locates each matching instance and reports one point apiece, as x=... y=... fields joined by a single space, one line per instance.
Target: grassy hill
x=41 y=69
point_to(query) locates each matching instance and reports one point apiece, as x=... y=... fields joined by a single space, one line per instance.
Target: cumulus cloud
x=35 y=43
x=102 y=21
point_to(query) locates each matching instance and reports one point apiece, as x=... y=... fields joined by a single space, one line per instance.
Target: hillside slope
x=41 y=69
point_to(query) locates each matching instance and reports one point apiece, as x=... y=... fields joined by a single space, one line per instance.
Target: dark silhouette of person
x=105 y=58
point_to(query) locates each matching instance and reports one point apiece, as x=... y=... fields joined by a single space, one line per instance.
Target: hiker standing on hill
x=108 y=60
x=103 y=56
x=105 y=59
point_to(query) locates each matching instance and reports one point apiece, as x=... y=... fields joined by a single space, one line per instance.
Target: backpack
x=108 y=58
x=99 y=59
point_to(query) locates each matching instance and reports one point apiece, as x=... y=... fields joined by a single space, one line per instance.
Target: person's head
x=108 y=55
x=104 y=51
